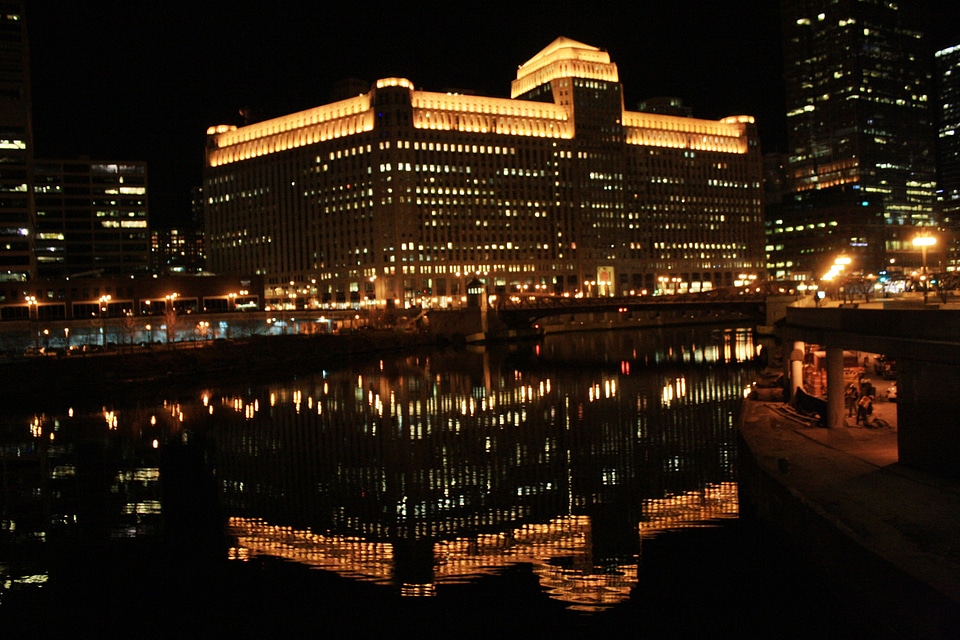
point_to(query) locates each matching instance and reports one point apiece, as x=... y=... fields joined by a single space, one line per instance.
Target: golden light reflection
x=578 y=582
x=674 y=390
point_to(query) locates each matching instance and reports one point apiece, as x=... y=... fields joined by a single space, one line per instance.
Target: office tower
x=948 y=149
x=91 y=218
x=16 y=148
x=857 y=87
x=403 y=196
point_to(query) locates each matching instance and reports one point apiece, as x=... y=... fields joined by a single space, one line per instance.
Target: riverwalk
x=885 y=537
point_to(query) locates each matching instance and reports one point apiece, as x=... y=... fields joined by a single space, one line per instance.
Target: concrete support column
x=928 y=415
x=835 y=390
x=796 y=368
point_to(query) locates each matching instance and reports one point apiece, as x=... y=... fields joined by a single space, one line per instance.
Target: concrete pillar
x=796 y=368
x=835 y=390
x=928 y=415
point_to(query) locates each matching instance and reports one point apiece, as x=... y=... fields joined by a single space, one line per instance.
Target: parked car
x=891 y=393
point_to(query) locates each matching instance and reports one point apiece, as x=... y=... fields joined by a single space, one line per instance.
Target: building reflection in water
x=431 y=470
x=422 y=471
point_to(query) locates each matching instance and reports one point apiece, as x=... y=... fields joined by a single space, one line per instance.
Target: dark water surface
x=586 y=484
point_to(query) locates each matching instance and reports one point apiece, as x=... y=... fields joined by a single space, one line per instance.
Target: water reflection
x=411 y=472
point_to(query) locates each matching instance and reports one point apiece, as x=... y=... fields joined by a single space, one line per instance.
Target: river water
x=583 y=484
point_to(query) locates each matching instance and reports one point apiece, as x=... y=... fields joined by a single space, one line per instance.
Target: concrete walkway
x=887 y=536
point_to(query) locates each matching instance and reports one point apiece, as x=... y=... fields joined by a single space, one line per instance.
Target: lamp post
x=923 y=241
x=33 y=314
x=170 y=316
x=103 y=309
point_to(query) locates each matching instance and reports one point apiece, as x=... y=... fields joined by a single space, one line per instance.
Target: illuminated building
x=948 y=73
x=91 y=218
x=405 y=195
x=16 y=148
x=176 y=251
x=60 y=218
x=857 y=85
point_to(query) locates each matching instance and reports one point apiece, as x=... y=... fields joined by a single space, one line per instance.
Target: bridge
x=523 y=311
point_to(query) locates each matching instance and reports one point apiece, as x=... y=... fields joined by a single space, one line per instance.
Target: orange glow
x=335 y=120
x=564 y=58
x=657 y=130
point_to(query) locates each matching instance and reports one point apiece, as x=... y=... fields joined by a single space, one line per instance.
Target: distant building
x=16 y=148
x=858 y=90
x=91 y=218
x=808 y=235
x=176 y=251
x=666 y=105
x=403 y=196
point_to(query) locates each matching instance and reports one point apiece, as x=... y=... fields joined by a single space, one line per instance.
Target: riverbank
x=882 y=536
x=145 y=372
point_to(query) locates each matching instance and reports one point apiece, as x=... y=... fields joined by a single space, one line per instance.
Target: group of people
x=863 y=405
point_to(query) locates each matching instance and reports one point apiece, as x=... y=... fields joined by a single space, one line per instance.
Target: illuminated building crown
x=564 y=58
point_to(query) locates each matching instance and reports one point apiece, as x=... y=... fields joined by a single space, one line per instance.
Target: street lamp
x=102 y=309
x=170 y=316
x=836 y=269
x=924 y=241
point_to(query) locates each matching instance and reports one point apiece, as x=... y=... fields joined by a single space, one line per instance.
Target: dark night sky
x=143 y=80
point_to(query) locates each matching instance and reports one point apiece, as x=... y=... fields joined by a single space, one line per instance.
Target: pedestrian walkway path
x=906 y=520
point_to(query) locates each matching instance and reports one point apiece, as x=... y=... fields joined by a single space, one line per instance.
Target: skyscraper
x=406 y=195
x=857 y=79
x=857 y=85
x=16 y=148
x=948 y=148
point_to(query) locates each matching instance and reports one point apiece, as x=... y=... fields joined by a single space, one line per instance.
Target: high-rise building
x=16 y=148
x=857 y=77
x=948 y=148
x=406 y=195
x=60 y=218
x=91 y=218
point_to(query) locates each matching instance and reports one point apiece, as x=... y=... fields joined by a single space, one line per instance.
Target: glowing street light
x=924 y=241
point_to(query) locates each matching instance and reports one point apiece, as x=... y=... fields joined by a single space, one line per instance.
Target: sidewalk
x=887 y=536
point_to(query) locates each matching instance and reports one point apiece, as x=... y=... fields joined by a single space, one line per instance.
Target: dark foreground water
x=583 y=485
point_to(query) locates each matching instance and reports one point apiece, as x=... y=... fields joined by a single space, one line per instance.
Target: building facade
x=91 y=218
x=857 y=78
x=403 y=196
x=948 y=153
x=948 y=142
x=17 y=261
